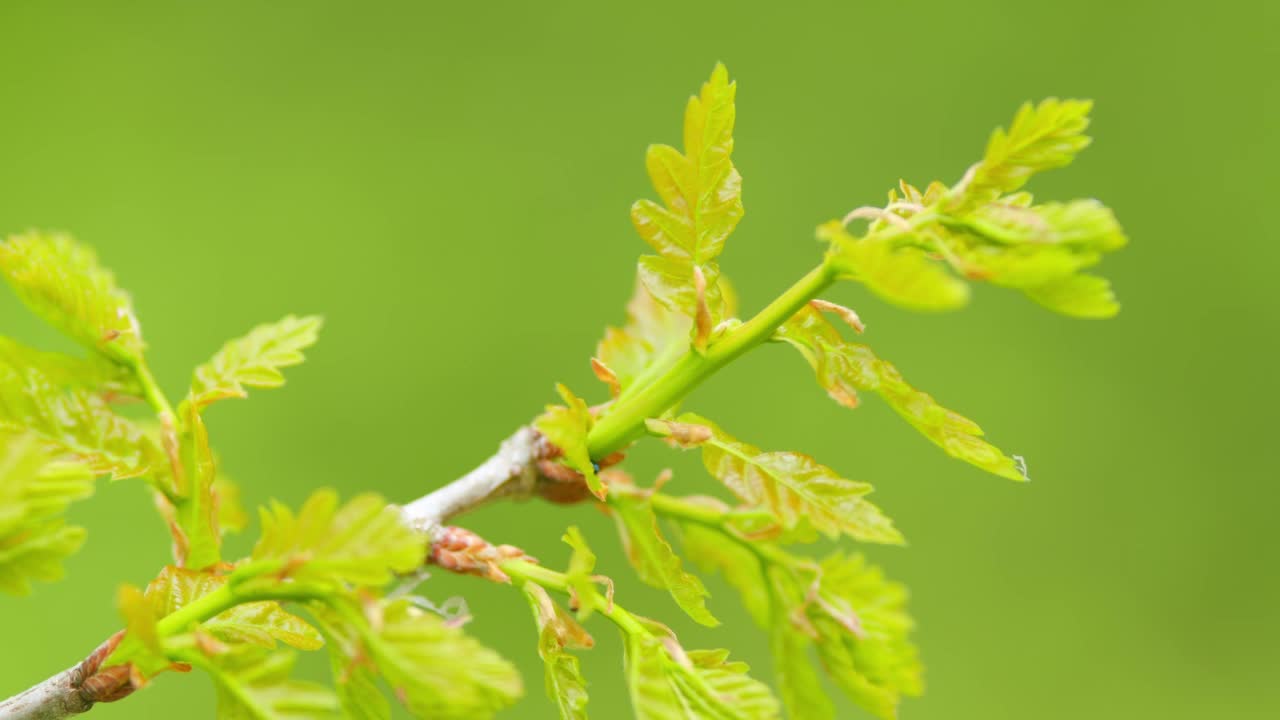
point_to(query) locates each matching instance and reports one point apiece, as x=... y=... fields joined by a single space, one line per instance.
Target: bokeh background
x=448 y=184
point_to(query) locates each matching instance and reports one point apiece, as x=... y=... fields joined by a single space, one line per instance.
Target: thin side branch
x=512 y=472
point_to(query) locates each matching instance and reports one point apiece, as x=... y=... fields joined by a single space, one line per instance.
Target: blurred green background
x=448 y=184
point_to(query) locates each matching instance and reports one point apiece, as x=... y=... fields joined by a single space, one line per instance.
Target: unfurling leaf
x=566 y=427
x=255 y=684
x=62 y=282
x=73 y=421
x=254 y=360
x=794 y=488
x=702 y=201
x=582 y=565
x=363 y=542
x=844 y=368
x=985 y=230
x=557 y=631
x=255 y=623
x=141 y=634
x=655 y=562
x=34 y=494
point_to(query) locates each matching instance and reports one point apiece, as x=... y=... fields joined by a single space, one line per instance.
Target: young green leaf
x=254 y=360
x=794 y=487
x=254 y=684
x=702 y=200
x=231 y=514
x=651 y=334
x=566 y=427
x=897 y=272
x=878 y=665
x=363 y=543
x=94 y=374
x=196 y=510
x=655 y=562
x=254 y=623
x=798 y=683
x=34 y=494
x=844 y=368
x=698 y=684
x=436 y=670
x=74 y=422
x=62 y=282
x=141 y=635
x=557 y=631
x=672 y=284
x=354 y=674
x=1042 y=137
x=1086 y=296
x=987 y=231
x=712 y=551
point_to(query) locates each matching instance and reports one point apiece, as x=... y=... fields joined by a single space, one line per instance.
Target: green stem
x=677 y=508
x=522 y=571
x=152 y=393
x=214 y=603
x=624 y=422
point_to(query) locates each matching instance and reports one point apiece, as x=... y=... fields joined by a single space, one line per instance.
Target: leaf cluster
x=62 y=425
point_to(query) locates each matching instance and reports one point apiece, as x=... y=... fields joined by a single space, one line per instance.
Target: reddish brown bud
x=462 y=551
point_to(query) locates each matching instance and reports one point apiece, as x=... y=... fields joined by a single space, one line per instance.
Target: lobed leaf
x=701 y=684
x=72 y=421
x=655 y=562
x=436 y=670
x=701 y=193
x=62 y=282
x=582 y=565
x=844 y=368
x=566 y=427
x=34 y=494
x=794 y=488
x=1042 y=137
x=878 y=665
x=254 y=360
x=672 y=284
x=355 y=677
x=363 y=542
x=253 y=684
